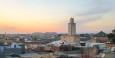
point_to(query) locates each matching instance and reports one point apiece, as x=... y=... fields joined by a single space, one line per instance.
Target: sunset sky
x=28 y=16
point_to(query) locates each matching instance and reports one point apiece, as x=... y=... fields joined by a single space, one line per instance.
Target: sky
x=28 y=16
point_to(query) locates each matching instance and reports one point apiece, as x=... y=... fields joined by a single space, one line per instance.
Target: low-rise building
x=13 y=49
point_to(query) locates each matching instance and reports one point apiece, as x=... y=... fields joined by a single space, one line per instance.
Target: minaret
x=72 y=27
x=71 y=37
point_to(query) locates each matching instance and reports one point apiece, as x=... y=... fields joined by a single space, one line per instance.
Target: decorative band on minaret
x=72 y=27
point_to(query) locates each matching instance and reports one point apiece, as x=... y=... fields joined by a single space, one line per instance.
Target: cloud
x=98 y=7
x=94 y=12
x=7 y=29
x=86 y=20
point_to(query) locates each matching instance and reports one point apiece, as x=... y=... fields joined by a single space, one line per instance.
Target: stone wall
x=110 y=45
x=90 y=53
x=68 y=38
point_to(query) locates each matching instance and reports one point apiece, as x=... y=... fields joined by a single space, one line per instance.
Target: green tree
x=111 y=36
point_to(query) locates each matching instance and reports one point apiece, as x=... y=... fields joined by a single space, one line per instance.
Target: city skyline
x=28 y=16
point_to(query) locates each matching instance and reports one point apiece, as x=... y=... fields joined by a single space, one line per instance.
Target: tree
x=111 y=36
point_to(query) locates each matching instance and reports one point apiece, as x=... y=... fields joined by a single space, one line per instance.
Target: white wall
x=101 y=45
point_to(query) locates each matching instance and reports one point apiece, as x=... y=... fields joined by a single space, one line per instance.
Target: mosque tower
x=72 y=27
x=71 y=37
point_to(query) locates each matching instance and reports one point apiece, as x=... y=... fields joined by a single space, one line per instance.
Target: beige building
x=71 y=37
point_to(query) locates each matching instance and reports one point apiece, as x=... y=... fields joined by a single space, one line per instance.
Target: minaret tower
x=71 y=27
x=71 y=37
